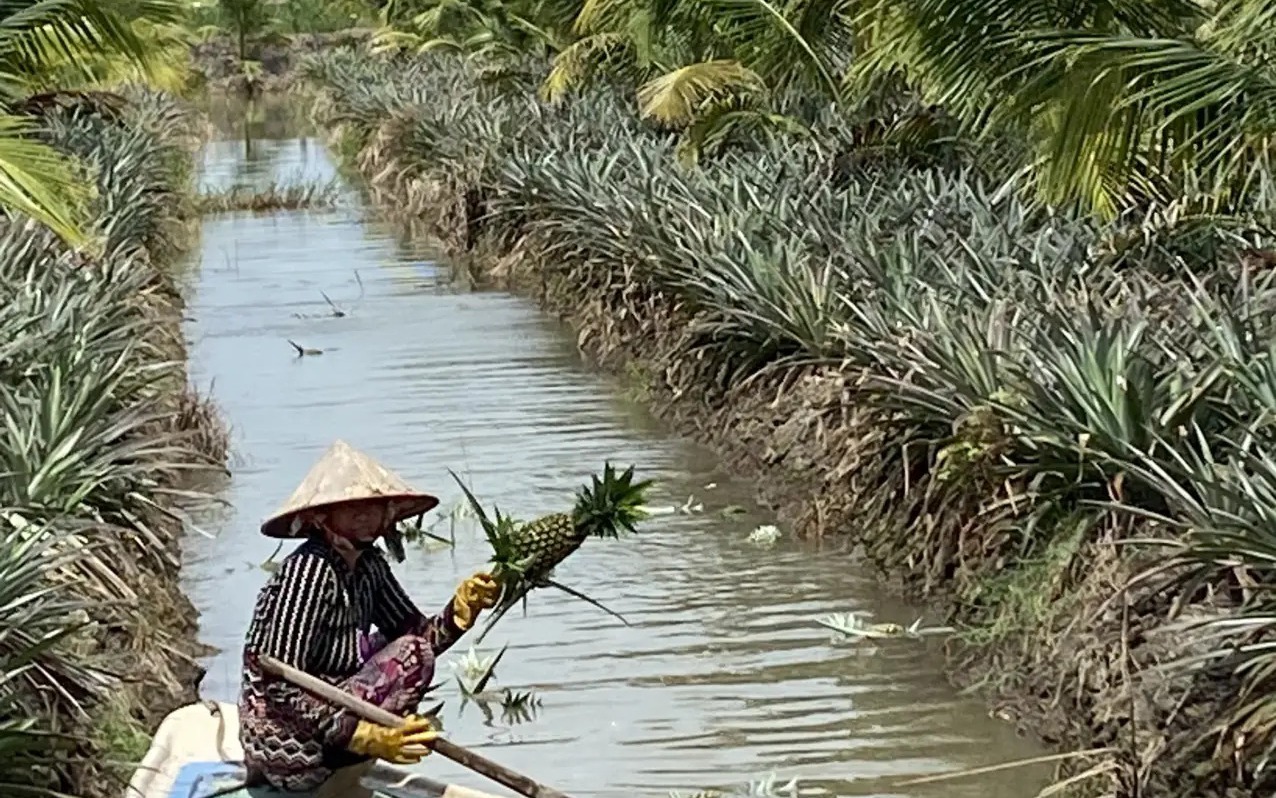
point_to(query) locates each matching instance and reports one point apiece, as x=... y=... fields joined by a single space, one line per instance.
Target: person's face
x=361 y=523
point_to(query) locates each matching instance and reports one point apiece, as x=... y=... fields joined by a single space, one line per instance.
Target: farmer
x=316 y=613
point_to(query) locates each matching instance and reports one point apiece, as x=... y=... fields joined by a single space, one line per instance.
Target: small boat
x=196 y=754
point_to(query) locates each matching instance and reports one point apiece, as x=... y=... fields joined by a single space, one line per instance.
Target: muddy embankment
x=107 y=446
x=894 y=420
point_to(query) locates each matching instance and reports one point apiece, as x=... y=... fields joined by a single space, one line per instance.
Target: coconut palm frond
x=676 y=99
x=573 y=65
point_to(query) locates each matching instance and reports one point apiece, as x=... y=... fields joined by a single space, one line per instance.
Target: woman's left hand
x=475 y=594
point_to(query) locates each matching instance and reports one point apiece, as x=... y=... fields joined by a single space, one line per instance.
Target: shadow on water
x=722 y=677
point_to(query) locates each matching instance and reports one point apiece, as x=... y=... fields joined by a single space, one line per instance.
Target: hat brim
x=406 y=505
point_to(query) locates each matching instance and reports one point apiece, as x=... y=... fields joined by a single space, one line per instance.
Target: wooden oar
x=375 y=714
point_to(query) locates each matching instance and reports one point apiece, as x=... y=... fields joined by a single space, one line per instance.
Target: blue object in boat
x=204 y=779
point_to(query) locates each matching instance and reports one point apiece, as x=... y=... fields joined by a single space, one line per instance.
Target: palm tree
x=1124 y=102
x=705 y=66
x=693 y=57
x=1117 y=103
x=502 y=29
x=1120 y=102
x=58 y=45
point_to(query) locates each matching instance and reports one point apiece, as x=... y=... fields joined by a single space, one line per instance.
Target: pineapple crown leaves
x=498 y=532
x=490 y=528
x=612 y=504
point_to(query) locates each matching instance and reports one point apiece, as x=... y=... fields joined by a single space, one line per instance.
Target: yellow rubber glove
x=402 y=746
x=475 y=594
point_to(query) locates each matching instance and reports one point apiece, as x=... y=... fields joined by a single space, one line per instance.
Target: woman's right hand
x=405 y=745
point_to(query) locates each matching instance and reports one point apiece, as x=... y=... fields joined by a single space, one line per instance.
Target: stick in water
x=371 y=712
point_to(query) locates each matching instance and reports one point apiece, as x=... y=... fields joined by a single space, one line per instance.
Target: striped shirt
x=311 y=614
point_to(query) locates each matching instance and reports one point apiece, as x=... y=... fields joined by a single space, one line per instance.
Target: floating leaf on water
x=417 y=532
x=472 y=664
x=474 y=671
x=760 y=788
x=768 y=787
x=767 y=534
x=685 y=508
x=852 y=625
x=688 y=507
x=732 y=509
x=843 y=621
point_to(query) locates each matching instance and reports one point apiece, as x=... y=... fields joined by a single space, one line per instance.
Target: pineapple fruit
x=524 y=556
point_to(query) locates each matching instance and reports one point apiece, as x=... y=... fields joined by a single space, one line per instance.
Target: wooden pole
x=371 y=712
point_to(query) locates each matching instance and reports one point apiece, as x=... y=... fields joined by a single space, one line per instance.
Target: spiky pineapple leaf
x=497 y=531
x=571 y=591
x=611 y=505
x=479 y=512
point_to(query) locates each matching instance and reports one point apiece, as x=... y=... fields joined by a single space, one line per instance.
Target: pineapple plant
x=524 y=555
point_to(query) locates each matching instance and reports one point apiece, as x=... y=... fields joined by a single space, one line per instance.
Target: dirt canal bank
x=723 y=677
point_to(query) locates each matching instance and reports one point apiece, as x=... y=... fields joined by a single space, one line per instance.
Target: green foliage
x=117 y=731
x=86 y=382
x=1109 y=106
x=47 y=46
x=245 y=20
x=323 y=16
x=259 y=17
x=1037 y=390
x=1123 y=103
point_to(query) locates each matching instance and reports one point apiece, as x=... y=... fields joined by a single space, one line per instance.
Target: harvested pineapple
x=524 y=556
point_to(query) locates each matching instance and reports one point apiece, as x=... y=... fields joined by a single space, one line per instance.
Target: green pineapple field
x=1058 y=423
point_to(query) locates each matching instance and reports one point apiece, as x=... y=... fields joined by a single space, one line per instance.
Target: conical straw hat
x=345 y=475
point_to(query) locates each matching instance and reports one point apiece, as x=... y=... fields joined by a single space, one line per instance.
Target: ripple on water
x=721 y=677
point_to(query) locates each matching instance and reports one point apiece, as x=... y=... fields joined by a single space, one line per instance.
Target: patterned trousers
x=395 y=676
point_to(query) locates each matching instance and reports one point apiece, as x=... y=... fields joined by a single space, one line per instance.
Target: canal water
x=723 y=675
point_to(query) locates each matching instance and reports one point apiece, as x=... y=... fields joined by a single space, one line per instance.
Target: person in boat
x=317 y=613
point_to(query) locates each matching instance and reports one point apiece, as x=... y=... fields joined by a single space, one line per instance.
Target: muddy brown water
x=722 y=677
